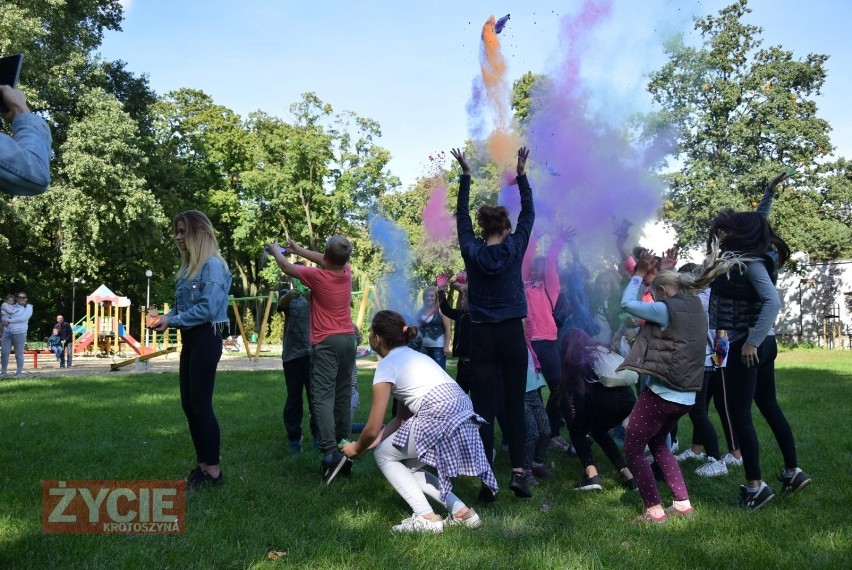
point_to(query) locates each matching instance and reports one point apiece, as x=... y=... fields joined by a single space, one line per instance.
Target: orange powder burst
x=494 y=73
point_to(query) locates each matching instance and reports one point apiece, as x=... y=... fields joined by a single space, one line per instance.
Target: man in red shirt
x=333 y=342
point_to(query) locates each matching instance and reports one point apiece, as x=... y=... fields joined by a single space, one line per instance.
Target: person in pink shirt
x=541 y=284
x=333 y=343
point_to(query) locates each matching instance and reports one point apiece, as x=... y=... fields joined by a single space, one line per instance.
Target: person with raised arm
x=542 y=288
x=333 y=343
x=745 y=304
x=498 y=306
x=670 y=349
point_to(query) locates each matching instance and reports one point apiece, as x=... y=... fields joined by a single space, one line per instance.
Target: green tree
x=744 y=112
x=528 y=92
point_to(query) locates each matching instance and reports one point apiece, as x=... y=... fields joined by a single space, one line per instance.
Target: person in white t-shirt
x=434 y=425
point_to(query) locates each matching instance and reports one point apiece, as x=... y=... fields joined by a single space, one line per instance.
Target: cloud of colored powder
x=394 y=288
x=587 y=172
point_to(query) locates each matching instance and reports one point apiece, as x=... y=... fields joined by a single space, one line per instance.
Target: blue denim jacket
x=25 y=159
x=203 y=299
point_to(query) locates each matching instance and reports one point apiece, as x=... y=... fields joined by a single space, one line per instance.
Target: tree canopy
x=744 y=113
x=128 y=159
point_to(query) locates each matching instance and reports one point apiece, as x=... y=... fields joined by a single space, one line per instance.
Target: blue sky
x=409 y=65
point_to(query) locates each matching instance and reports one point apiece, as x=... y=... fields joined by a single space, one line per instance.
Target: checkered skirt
x=446 y=434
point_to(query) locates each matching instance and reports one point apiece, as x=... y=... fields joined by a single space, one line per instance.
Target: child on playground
x=434 y=425
x=333 y=342
x=54 y=343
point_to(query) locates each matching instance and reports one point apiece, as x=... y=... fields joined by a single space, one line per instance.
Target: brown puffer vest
x=674 y=356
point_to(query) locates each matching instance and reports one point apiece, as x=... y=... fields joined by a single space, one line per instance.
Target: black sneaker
x=205 y=480
x=333 y=466
x=486 y=495
x=519 y=486
x=795 y=482
x=193 y=475
x=630 y=485
x=756 y=499
x=589 y=484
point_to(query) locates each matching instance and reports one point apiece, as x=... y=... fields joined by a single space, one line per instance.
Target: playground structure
x=104 y=331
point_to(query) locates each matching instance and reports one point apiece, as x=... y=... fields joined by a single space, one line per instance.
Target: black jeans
x=297 y=377
x=703 y=431
x=601 y=410
x=464 y=374
x=498 y=355
x=547 y=352
x=757 y=384
x=199 y=357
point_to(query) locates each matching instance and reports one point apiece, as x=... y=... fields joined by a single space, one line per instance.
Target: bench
x=35 y=354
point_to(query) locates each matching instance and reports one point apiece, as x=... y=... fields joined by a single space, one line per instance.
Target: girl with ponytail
x=670 y=349
x=435 y=425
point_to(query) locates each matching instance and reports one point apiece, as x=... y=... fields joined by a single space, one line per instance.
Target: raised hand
x=523 y=155
x=569 y=233
x=647 y=262
x=441 y=282
x=778 y=180
x=292 y=246
x=669 y=259
x=459 y=156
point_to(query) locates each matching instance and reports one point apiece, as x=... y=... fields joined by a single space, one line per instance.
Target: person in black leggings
x=594 y=409
x=200 y=311
x=498 y=305
x=746 y=304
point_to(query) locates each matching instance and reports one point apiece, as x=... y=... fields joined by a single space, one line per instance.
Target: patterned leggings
x=538 y=429
x=651 y=421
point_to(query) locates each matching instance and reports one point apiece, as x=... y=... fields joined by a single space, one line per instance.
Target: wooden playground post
x=116 y=312
x=240 y=325
x=263 y=326
x=362 y=308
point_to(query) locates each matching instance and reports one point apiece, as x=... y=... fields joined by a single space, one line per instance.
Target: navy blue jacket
x=494 y=284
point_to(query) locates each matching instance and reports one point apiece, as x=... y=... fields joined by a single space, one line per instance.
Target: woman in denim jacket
x=201 y=308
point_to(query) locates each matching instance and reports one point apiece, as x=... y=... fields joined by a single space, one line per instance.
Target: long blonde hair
x=716 y=264
x=200 y=241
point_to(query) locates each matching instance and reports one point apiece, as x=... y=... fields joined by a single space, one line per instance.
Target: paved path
x=87 y=365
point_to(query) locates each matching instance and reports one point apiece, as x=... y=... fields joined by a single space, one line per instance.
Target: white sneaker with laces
x=418 y=523
x=732 y=461
x=470 y=520
x=689 y=454
x=713 y=468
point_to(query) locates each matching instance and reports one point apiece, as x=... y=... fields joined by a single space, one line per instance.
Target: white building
x=817 y=305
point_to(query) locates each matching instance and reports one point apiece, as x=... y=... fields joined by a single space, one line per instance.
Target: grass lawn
x=132 y=427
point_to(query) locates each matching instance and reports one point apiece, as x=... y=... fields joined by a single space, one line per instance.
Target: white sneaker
x=689 y=454
x=713 y=468
x=472 y=520
x=418 y=523
x=675 y=446
x=732 y=461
